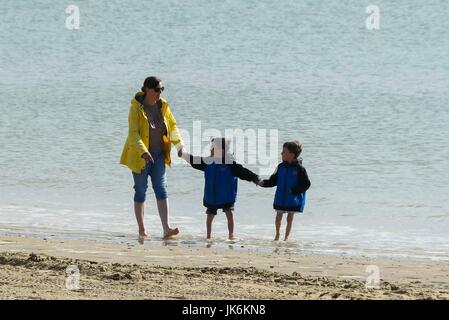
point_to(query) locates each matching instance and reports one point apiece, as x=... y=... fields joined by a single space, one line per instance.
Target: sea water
x=370 y=106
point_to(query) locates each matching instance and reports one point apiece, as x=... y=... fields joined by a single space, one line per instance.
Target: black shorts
x=214 y=210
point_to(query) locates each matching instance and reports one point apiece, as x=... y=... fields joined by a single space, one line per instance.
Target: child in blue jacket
x=292 y=182
x=220 y=188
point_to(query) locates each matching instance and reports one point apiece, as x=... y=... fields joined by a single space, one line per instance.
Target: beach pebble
x=34 y=257
x=394 y=287
x=128 y=276
x=402 y=291
x=323 y=294
x=118 y=276
x=115 y=276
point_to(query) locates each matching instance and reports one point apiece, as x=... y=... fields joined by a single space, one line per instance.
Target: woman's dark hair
x=294 y=147
x=151 y=82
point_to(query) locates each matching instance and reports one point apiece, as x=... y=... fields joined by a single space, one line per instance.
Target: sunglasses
x=158 y=89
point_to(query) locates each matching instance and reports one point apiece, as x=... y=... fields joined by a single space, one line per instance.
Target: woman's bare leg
x=163 y=208
x=139 y=212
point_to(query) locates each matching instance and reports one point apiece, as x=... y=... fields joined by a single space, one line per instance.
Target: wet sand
x=36 y=268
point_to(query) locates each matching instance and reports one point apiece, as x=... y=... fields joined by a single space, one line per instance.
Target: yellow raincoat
x=137 y=142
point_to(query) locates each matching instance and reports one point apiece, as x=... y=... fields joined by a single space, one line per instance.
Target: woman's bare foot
x=276 y=238
x=171 y=233
x=142 y=236
x=231 y=237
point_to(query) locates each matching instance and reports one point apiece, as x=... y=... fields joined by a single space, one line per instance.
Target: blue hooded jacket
x=220 y=187
x=292 y=182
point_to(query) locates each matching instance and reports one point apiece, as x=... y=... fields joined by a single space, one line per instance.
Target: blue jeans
x=156 y=171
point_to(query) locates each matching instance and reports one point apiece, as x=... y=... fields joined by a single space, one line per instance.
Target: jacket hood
x=137 y=100
x=294 y=162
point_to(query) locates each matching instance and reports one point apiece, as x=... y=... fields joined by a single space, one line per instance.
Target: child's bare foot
x=231 y=237
x=276 y=237
x=209 y=242
x=285 y=239
x=171 y=233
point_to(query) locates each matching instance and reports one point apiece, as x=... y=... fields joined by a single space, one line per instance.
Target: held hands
x=182 y=153
x=260 y=183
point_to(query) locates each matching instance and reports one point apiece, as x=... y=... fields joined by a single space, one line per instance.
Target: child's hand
x=185 y=155
x=260 y=183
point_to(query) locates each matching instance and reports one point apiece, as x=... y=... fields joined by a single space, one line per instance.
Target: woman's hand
x=261 y=183
x=147 y=157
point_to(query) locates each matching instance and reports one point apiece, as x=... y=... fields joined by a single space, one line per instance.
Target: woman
x=152 y=129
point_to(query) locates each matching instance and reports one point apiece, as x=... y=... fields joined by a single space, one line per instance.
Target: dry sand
x=32 y=268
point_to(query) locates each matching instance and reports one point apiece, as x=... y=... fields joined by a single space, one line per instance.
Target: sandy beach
x=35 y=268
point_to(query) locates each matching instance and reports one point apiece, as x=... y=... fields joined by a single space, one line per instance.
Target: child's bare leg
x=278 y=225
x=210 y=218
x=230 y=217
x=289 y=225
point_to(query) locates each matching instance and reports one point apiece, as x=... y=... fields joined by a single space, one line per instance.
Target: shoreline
x=34 y=268
x=256 y=245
